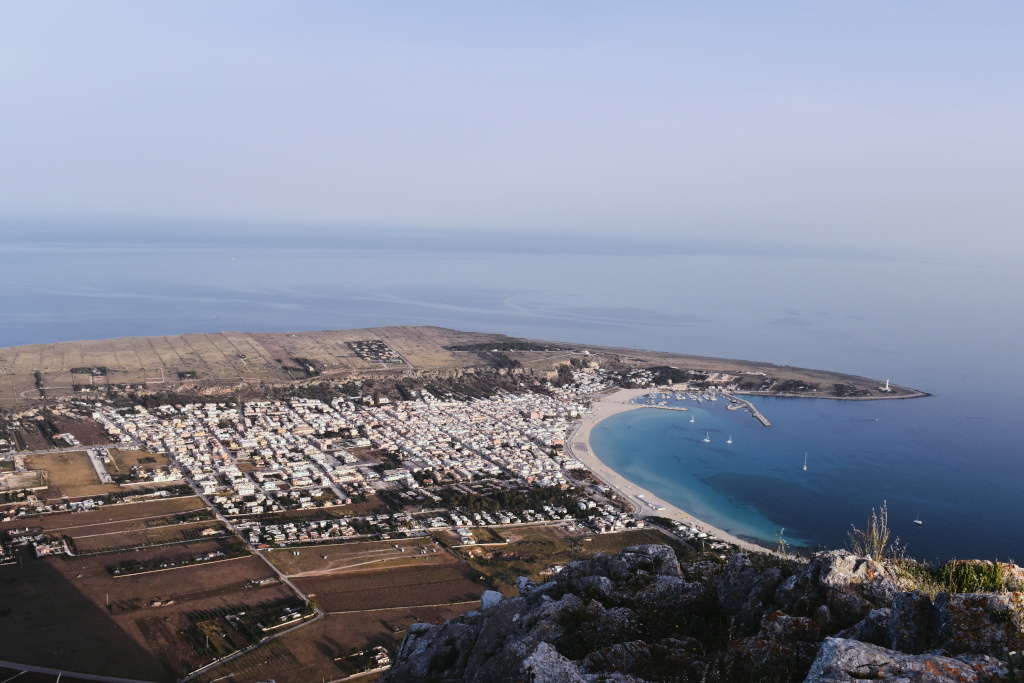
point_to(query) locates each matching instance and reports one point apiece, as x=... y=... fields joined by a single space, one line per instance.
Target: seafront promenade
x=613 y=403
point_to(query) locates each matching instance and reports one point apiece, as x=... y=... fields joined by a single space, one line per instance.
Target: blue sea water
x=948 y=326
x=859 y=454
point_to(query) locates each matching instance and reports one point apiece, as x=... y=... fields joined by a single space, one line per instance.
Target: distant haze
x=868 y=126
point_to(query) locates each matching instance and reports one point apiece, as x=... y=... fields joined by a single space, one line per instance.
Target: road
x=59 y=672
x=317 y=614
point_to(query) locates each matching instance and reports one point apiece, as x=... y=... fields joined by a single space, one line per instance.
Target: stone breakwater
x=640 y=616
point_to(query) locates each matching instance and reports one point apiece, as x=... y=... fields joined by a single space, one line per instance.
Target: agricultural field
x=33 y=438
x=401 y=587
x=345 y=558
x=138 y=616
x=135 y=604
x=69 y=474
x=124 y=460
x=176 y=533
x=308 y=654
x=87 y=431
x=123 y=516
x=28 y=373
x=227 y=359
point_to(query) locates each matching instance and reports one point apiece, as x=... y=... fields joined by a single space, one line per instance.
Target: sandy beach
x=579 y=446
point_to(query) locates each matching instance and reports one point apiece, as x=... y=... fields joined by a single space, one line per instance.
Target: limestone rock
x=640 y=617
x=848 y=585
x=703 y=571
x=678 y=660
x=979 y=623
x=875 y=628
x=490 y=599
x=909 y=623
x=545 y=665
x=735 y=583
x=850 y=660
x=846 y=572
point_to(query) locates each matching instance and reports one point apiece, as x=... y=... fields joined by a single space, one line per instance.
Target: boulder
x=545 y=665
x=490 y=599
x=848 y=585
x=782 y=650
x=635 y=561
x=735 y=583
x=619 y=658
x=845 y=572
x=909 y=622
x=676 y=659
x=874 y=628
x=744 y=594
x=978 y=623
x=840 y=659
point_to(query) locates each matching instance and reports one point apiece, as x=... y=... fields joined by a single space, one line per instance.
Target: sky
x=887 y=127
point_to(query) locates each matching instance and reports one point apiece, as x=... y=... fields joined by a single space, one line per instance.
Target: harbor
x=650 y=400
x=743 y=403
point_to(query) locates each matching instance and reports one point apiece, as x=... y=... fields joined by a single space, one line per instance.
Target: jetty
x=753 y=410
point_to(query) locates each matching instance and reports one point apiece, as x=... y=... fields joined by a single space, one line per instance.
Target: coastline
x=579 y=447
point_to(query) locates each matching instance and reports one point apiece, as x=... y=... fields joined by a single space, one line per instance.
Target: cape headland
x=241 y=362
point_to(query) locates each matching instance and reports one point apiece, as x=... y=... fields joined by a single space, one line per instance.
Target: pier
x=754 y=411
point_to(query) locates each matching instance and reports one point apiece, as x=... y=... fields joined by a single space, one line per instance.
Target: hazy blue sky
x=877 y=125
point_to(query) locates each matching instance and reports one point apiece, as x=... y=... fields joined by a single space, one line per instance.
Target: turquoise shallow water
x=859 y=454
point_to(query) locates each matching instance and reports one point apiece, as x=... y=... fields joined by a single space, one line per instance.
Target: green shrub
x=959 y=576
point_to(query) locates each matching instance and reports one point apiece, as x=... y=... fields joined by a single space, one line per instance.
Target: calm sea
x=945 y=326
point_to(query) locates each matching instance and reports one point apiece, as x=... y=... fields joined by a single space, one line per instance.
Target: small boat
x=917 y=519
x=707 y=437
x=729 y=439
x=805 y=462
x=691 y=418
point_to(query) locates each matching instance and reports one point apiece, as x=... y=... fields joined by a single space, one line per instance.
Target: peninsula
x=278 y=505
x=232 y=362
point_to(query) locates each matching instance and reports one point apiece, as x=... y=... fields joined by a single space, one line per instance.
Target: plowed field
x=403 y=587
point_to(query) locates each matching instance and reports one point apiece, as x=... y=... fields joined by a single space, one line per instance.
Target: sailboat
x=917 y=519
x=691 y=419
x=707 y=437
x=805 y=462
x=730 y=439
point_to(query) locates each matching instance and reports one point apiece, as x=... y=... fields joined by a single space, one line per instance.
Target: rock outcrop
x=851 y=660
x=641 y=616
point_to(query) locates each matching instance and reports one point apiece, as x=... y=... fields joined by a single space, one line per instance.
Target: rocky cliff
x=640 y=615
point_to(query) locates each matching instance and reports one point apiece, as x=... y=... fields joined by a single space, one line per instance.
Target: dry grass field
x=124 y=525
x=101 y=519
x=69 y=474
x=233 y=358
x=87 y=432
x=34 y=439
x=127 y=538
x=124 y=460
x=403 y=587
x=74 y=611
x=336 y=560
x=222 y=358
x=307 y=654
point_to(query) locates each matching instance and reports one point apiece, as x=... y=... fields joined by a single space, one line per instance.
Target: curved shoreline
x=579 y=447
